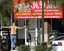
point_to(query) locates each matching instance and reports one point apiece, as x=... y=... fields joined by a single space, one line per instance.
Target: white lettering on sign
x=37 y=5
x=40 y=4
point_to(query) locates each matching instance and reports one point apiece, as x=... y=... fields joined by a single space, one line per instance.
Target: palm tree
x=57 y=2
x=5 y=10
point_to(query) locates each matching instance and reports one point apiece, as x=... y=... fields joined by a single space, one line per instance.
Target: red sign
x=34 y=10
x=52 y=13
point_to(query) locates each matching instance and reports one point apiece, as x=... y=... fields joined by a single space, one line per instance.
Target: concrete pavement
x=32 y=49
x=14 y=50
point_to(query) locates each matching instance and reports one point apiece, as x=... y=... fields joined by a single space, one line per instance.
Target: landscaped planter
x=40 y=48
x=23 y=48
x=37 y=48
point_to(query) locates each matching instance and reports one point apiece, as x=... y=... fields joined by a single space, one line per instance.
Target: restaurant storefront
x=30 y=15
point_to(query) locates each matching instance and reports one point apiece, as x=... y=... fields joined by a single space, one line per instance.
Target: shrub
x=40 y=48
x=23 y=48
x=49 y=48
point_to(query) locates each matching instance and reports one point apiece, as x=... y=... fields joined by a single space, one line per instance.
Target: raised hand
x=25 y=26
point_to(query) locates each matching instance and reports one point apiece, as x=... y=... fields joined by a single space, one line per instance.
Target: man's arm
x=21 y=27
x=6 y=26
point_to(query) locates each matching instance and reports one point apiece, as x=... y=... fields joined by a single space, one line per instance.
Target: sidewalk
x=32 y=49
x=14 y=50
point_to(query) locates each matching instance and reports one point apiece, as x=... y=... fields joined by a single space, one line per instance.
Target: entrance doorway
x=31 y=32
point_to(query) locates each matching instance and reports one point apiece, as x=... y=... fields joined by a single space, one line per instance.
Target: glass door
x=31 y=32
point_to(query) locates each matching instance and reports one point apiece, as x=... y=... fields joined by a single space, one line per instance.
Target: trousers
x=13 y=40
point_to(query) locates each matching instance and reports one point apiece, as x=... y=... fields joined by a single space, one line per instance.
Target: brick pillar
x=45 y=31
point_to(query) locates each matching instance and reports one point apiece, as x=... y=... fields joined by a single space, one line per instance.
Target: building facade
x=30 y=14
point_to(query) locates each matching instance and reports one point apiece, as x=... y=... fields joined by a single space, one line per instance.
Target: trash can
x=5 y=40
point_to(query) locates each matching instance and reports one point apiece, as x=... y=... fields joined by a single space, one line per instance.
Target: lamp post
x=11 y=19
x=1 y=26
x=42 y=20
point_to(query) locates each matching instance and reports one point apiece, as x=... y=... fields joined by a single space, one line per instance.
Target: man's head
x=13 y=24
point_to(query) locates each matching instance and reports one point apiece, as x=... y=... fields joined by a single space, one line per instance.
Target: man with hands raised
x=13 y=28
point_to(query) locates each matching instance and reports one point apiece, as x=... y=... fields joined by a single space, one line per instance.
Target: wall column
x=45 y=31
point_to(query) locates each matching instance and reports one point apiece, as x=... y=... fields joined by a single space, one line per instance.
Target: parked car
x=58 y=44
x=5 y=40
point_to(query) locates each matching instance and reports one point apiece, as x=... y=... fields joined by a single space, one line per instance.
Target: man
x=13 y=29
